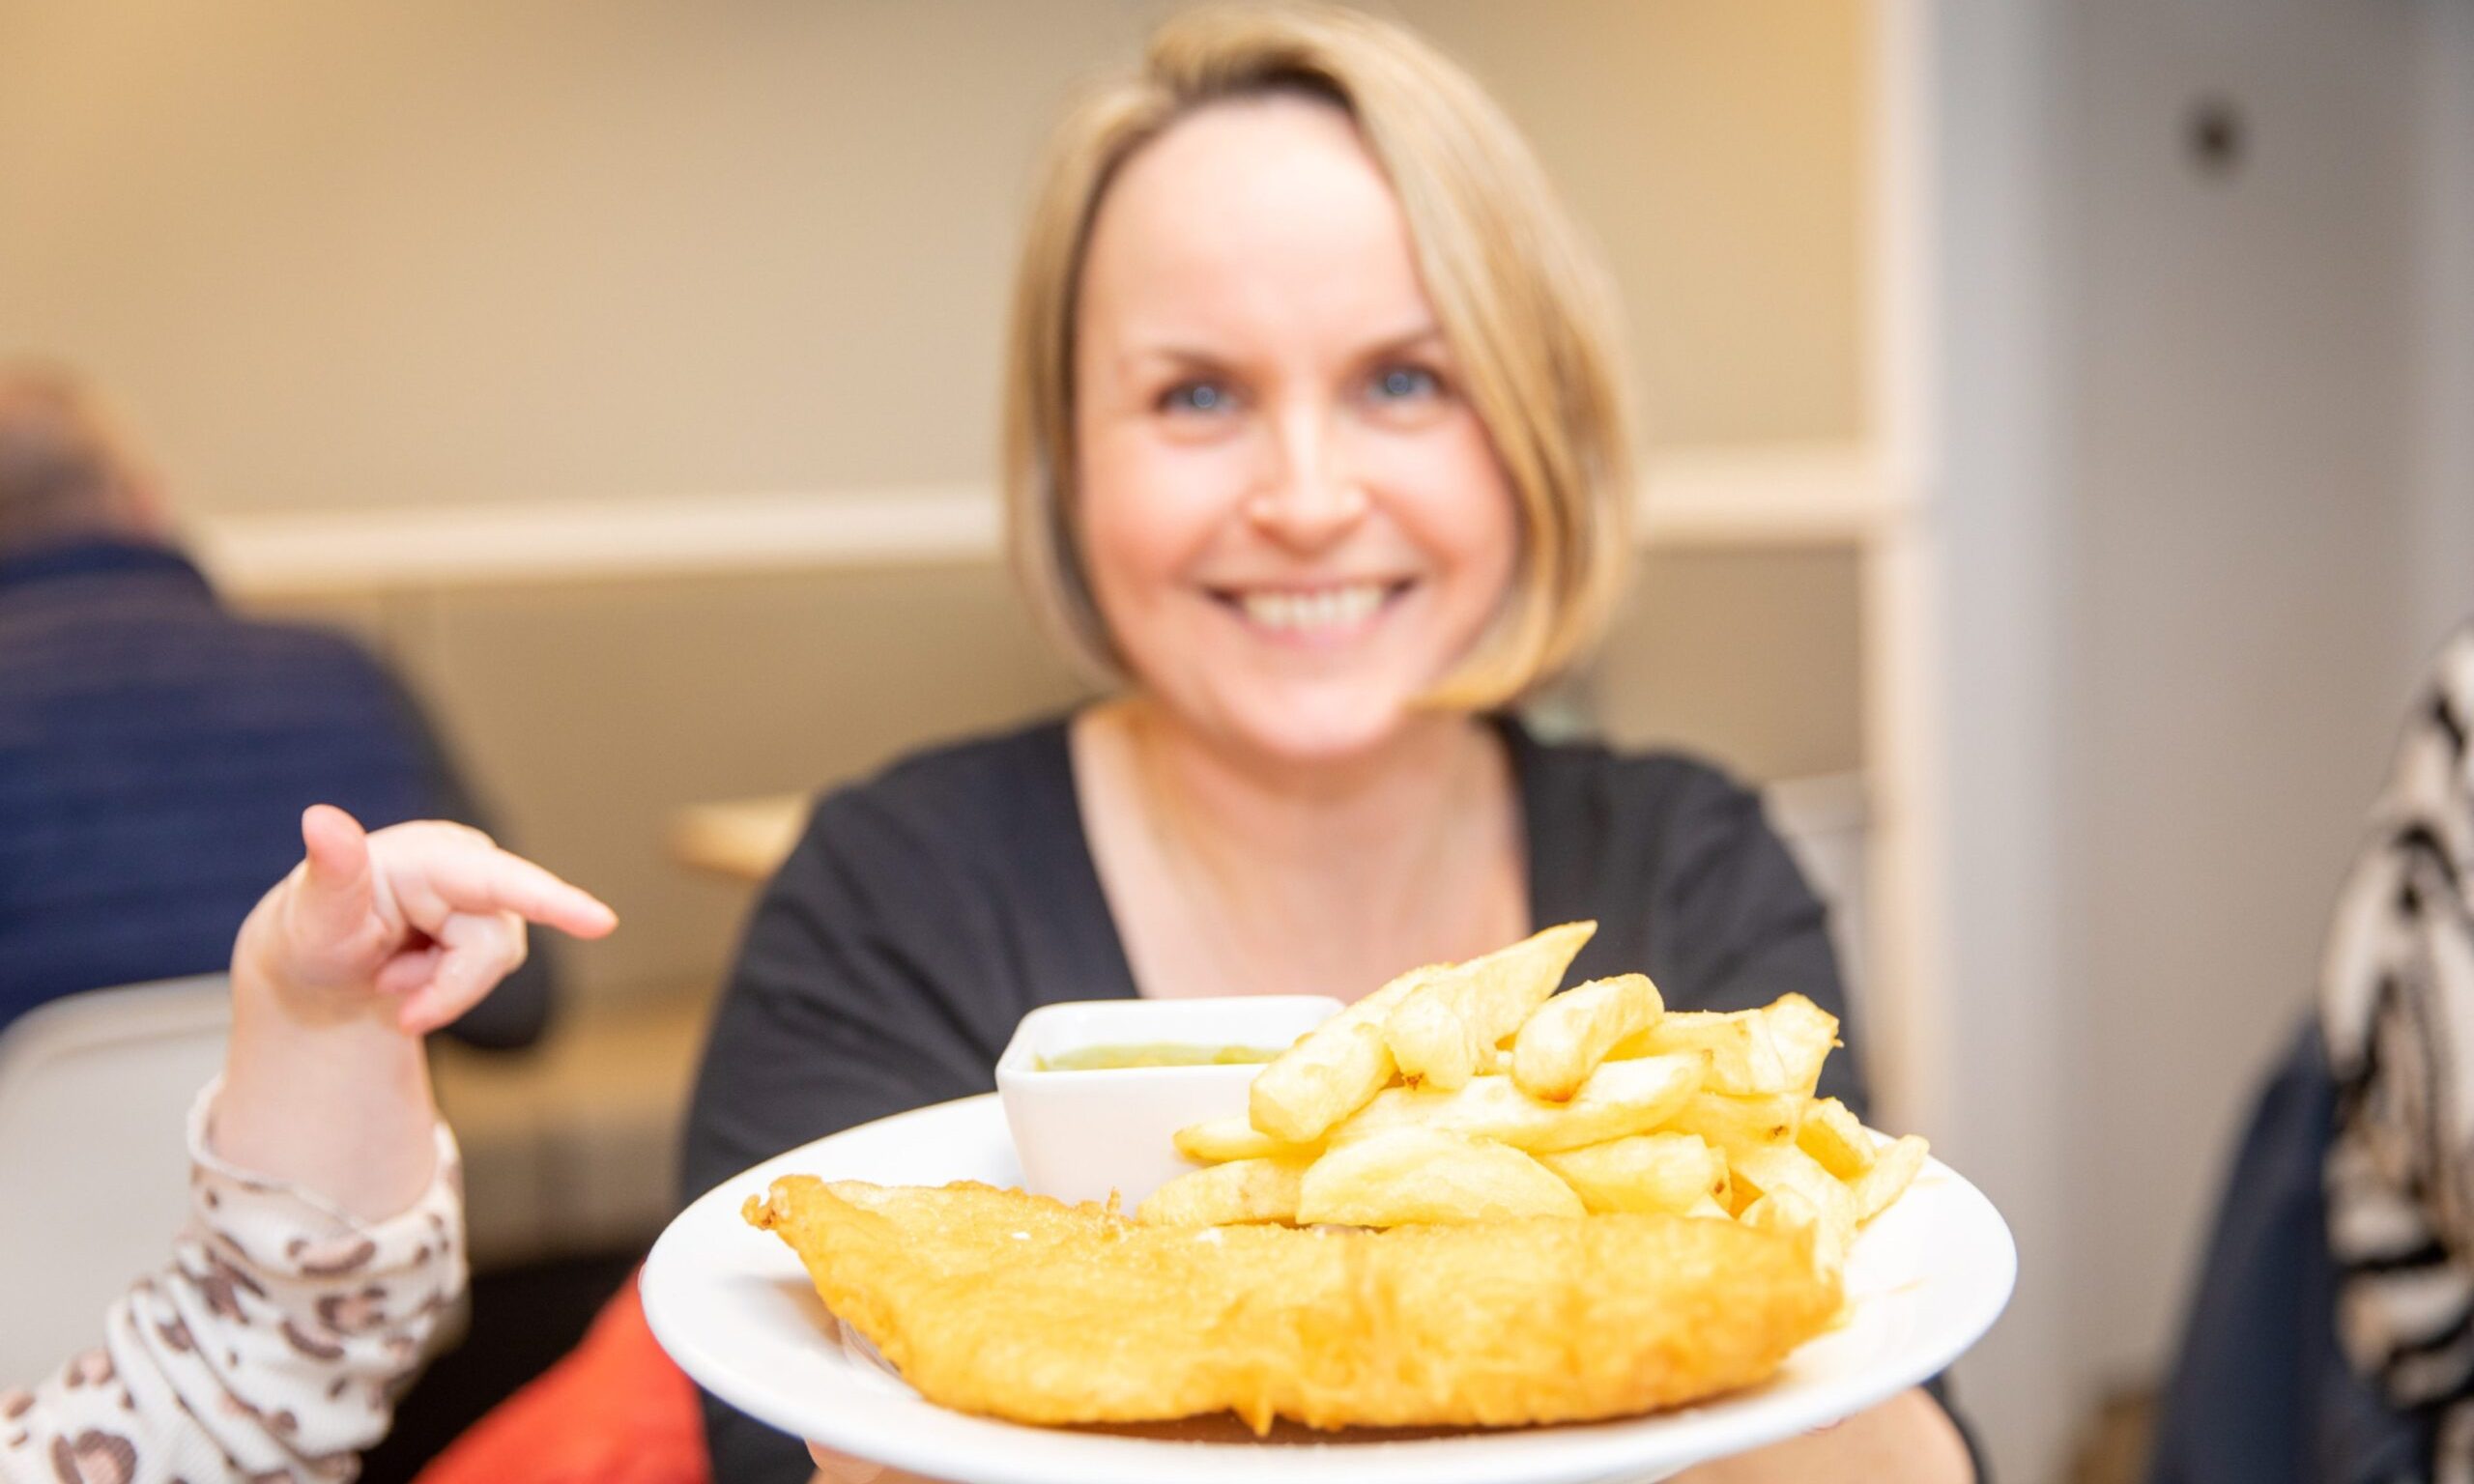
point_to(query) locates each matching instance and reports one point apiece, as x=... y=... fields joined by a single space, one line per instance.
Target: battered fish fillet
x=1021 y=1307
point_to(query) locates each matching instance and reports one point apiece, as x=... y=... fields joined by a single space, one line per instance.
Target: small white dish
x=1082 y=1134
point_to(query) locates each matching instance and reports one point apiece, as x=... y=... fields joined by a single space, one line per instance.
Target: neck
x=1226 y=805
x=1236 y=873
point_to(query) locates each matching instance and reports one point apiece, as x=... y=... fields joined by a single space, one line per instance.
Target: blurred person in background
x=326 y=1230
x=153 y=745
x=2332 y=1337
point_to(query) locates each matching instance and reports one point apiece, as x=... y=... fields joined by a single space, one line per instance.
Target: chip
x=1565 y=1039
x=1448 y=1027
x=1229 y=1194
x=1837 y=1138
x=1233 y=1138
x=1669 y=1172
x=1893 y=1170
x=1753 y=1053
x=1734 y=1125
x=1619 y=1099
x=1425 y=1175
x=1333 y=1070
x=1471 y=1092
x=1767 y=1170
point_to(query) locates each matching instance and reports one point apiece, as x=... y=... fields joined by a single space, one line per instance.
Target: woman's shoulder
x=956 y=808
x=1659 y=846
x=977 y=781
x=1645 y=788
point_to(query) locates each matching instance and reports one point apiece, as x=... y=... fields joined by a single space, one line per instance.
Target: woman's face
x=1293 y=522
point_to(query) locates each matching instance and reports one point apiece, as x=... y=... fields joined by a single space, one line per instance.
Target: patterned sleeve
x=270 y=1350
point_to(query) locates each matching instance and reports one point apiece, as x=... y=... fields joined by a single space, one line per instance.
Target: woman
x=327 y=1233
x=1316 y=449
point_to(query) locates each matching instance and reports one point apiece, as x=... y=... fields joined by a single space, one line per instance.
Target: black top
x=156 y=753
x=925 y=911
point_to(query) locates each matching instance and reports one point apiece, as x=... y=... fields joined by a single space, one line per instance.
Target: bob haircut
x=1518 y=294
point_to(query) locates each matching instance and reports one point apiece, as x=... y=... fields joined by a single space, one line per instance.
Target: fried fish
x=1021 y=1307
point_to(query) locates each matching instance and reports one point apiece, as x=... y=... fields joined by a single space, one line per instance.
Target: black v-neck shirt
x=925 y=911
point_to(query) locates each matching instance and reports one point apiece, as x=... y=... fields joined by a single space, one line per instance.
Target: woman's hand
x=1895 y=1441
x=833 y=1467
x=1907 y=1437
x=371 y=941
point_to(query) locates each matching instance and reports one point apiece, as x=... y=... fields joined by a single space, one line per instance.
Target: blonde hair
x=1520 y=299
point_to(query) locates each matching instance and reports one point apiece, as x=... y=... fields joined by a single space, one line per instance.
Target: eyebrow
x=1195 y=355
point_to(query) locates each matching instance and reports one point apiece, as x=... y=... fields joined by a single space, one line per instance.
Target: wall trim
x=1821 y=493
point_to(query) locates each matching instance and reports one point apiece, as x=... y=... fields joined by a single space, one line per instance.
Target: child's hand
x=430 y=915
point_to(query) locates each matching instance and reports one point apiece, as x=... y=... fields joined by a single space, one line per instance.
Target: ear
x=144 y=510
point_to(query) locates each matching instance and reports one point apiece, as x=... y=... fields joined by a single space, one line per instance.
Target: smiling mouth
x=1308 y=612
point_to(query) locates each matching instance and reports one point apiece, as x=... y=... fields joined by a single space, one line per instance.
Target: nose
x=1309 y=500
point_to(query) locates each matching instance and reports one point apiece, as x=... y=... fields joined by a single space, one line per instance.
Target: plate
x=734 y=1309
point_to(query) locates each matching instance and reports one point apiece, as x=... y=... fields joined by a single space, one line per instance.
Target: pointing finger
x=474 y=954
x=493 y=881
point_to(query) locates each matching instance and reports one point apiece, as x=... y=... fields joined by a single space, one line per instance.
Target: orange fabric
x=615 y=1411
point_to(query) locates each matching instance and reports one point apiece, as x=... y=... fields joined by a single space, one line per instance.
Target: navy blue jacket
x=2260 y=1395
x=156 y=754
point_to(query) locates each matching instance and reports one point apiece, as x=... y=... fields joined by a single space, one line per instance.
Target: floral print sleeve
x=270 y=1350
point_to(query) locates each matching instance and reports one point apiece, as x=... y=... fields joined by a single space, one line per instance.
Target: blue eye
x=1194 y=397
x=1402 y=383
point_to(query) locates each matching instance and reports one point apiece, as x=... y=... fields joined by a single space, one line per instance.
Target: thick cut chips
x=1672 y=1172
x=1225 y=1194
x=1446 y=1028
x=1565 y=1040
x=1837 y=1138
x=1619 y=1099
x=1231 y=1139
x=1414 y=1175
x=1333 y=1070
x=1777 y=1049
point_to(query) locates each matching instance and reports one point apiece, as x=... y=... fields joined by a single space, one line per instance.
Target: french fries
x=1227 y=1194
x=1420 y=1175
x=1782 y=1167
x=1448 y=1026
x=1622 y=1097
x=1778 y=1048
x=1223 y=1139
x=1835 y=1137
x=1892 y=1172
x=1333 y=1070
x=1669 y=1172
x=1739 y=1126
x=1565 y=1040
x=1462 y=1093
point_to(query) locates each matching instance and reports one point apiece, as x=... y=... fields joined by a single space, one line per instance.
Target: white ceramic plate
x=733 y=1308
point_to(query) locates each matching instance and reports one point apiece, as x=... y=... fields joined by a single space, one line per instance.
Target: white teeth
x=1327 y=608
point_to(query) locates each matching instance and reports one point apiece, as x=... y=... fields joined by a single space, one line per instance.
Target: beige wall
x=457 y=252
x=474 y=251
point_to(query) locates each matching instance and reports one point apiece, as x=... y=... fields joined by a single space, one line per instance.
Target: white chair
x=1826 y=823
x=95 y=1090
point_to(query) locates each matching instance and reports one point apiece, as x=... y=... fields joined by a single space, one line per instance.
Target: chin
x=1318 y=728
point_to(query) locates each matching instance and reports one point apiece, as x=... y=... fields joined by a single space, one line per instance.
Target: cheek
x=1148 y=513
x=1457 y=506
